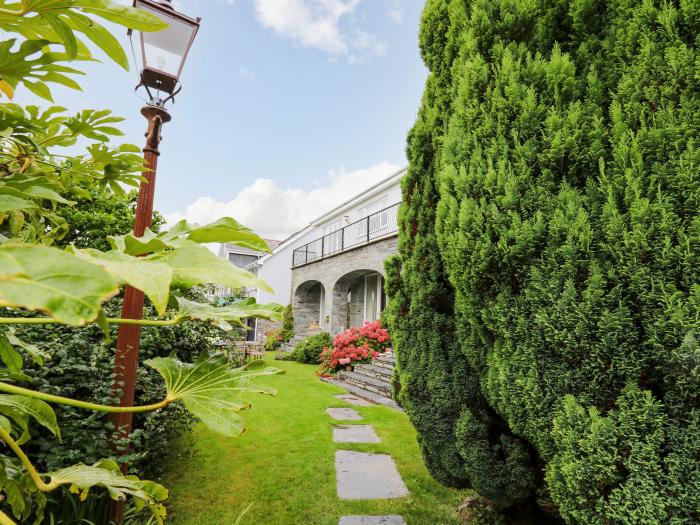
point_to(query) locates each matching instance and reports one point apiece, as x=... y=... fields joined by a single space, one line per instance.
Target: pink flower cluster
x=354 y=345
x=375 y=335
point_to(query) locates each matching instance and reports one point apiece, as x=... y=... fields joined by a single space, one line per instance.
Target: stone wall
x=339 y=274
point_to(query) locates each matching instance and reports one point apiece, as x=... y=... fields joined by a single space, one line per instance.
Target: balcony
x=373 y=227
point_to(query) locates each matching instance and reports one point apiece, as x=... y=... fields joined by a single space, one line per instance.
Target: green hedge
x=309 y=350
x=546 y=297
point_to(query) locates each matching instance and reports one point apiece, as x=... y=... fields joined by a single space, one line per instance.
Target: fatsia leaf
x=11 y=203
x=223 y=316
x=99 y=35
x=11 y=357
x=34 y=352
x=194 y=265
x=228 y=230
x=106 y=474
x=150 y=277
x=144 y=245
x=127 y=16
x=34 y=408
x=58 y=283
x=211 y=390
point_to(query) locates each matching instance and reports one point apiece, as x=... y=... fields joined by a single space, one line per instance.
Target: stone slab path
x=367 y=476
x=355 y=434
x=343 y=414
x=371 y=520
x=353 y=400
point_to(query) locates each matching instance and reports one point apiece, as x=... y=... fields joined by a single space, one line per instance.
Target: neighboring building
x=243 y=258
x=332 y=271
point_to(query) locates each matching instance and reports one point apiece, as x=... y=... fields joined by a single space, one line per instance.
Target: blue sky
x=288 y=107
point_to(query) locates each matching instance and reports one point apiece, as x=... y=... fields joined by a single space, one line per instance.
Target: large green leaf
x=150 y=277
x=128 y=16
x=223 y=316
x=211 y=390
x=194 y=265
x=37 y=409
x=228 y=230
x=106 y=474
x=58 y=283
x=147 y=244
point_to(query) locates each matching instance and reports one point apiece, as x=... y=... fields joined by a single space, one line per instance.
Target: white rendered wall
x=276 y=271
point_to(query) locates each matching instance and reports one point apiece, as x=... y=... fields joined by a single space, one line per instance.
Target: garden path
x=361 y=475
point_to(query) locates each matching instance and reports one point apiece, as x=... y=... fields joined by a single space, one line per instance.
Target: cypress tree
x=551 y=211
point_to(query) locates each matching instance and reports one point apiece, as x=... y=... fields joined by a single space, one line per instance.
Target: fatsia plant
x=53 y=32
x=70 y=287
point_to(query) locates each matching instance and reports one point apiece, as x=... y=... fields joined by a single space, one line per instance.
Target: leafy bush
x=276 y=338
x=545 y=301
x=375 y=335
x=337 y=358
x=309 y=350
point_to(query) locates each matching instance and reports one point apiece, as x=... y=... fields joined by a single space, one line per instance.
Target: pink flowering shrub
x=354 y=345
x=375 y=335
x=334 y=359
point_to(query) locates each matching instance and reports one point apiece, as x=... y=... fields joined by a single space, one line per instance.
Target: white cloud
x=317 y=23
x=395 y=11
x=275 y=212
x=246 y=74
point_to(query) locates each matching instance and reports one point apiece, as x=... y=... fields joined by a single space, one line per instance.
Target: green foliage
x=277 y=338
x=309 y=350
x=551 y=224
x=211 y=390
x=103 y=214
x=49 y=27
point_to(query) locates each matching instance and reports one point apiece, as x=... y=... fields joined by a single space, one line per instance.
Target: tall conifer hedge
x=545 y=302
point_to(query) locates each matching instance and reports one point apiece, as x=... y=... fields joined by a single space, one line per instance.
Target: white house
x=332 y=270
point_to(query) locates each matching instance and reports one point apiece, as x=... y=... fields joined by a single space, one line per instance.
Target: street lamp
x=163 y=56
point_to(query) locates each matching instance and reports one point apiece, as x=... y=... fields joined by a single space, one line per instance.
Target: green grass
x=284 y=464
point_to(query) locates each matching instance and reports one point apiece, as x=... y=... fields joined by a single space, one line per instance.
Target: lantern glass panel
x=166 y=50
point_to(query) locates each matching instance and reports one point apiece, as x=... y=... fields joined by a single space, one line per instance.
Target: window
x=241 y=260
x=374 y=296
x=378 y=218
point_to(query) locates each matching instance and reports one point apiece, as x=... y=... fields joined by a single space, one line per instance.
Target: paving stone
x=354 y=400
x=367 y=476
x=355 y=434
x=371 y=520
x=343 y=414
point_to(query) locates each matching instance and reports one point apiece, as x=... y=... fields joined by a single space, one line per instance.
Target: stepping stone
x=367 y=476
x=355 y=434
x=353 y=400
x=343 y=414
x=372 y=520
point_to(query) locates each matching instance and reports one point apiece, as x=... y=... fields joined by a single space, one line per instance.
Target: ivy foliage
x=545 y=302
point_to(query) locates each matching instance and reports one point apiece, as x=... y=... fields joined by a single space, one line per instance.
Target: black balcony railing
x=364 y=231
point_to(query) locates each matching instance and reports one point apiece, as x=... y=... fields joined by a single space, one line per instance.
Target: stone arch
x=309 y=307
x=349 y=299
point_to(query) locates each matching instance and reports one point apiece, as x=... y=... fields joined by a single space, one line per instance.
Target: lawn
x=284 y=464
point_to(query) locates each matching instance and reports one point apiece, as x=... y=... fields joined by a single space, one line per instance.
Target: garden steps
x=361 y=379
x=367 y=395
x=379 y=372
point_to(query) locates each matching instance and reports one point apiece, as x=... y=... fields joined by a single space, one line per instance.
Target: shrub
x=375 y=335
x=309 y=350
x=276 y=338
x=335 y=359
x=545 y=299
x=78 y=359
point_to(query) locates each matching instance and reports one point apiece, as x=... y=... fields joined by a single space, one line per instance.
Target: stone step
x=380 y=372
x=383 y=364
x=357 y=391
x=368 y=383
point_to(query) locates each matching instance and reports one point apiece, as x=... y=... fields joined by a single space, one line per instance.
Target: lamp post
x=163 y=55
